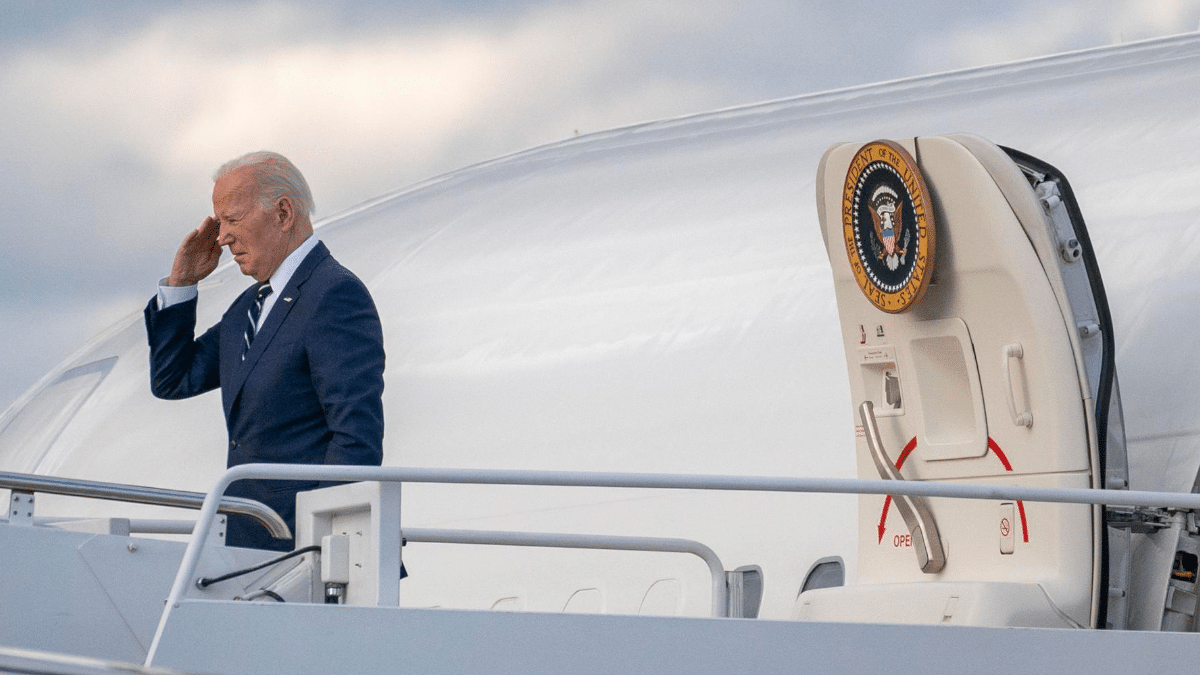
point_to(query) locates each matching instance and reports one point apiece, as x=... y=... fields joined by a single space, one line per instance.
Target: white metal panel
x=452 y=641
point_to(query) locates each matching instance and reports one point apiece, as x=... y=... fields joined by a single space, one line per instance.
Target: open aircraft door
x=979 y=349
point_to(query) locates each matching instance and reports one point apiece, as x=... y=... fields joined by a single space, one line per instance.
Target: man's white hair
x=277 y=177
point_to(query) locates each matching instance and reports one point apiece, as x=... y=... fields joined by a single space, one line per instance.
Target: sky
x=115 y=114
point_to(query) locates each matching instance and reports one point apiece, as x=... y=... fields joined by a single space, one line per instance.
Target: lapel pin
x=287 y=299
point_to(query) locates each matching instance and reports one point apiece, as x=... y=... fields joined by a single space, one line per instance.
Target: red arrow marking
x=993 y=446
x=887 y=502
x=912 y=445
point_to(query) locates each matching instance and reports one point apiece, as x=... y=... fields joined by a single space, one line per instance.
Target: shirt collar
x=283 y=275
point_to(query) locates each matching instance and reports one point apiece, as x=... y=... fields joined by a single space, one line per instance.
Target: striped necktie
x=253 y=313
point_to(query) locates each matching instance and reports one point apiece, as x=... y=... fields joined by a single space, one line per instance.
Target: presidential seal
x=888 y=226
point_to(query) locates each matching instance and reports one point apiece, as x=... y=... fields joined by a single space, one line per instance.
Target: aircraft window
x=585 y=601
x=35 y=427
x=509 y=604
x=825 y=573
x=663 y=598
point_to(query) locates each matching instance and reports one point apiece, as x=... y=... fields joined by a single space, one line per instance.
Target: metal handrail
x=319 y=472
x=720 y=599
x=137 y=494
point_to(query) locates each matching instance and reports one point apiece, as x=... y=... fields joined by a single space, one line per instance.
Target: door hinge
x=1138 y=519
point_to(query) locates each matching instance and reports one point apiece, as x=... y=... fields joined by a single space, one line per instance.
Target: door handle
x=931 y=555
x=1022 y=418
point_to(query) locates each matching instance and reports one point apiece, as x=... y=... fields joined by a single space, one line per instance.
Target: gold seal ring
x=888 y=226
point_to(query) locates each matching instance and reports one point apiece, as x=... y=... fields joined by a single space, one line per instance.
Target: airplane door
x=979 y=349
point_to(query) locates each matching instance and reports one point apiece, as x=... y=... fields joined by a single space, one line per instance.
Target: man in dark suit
x=298 y=356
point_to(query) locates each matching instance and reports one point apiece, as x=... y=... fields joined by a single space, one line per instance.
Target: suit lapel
x=288 y=298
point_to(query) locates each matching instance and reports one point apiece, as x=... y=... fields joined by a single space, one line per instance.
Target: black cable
x=261 y=593
x=205 y=582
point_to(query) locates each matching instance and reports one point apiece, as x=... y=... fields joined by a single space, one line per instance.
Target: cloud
x=395 y=101
x=1025 y=30
x=1141 y=20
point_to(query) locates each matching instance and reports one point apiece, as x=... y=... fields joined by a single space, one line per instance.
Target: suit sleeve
x=346 y=362
x=181 y=366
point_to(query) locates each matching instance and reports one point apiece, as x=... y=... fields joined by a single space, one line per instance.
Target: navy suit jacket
x=309 y=391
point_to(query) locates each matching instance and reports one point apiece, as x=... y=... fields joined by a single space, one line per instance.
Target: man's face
x=256 y=239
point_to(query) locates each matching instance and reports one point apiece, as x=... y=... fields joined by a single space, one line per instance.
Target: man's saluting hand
x=197 y=256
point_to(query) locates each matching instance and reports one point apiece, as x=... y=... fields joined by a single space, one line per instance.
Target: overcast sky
x=114 y=114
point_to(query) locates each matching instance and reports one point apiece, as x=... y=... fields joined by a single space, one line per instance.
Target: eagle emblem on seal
x=886 y=211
